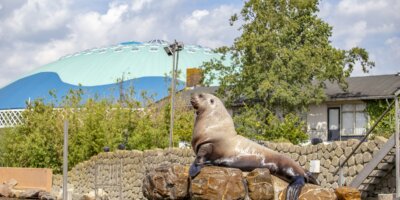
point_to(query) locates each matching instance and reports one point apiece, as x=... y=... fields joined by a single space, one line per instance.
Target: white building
x=342 y=115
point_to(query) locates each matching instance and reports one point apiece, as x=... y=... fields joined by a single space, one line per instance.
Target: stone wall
x=119 y=173
x=124 y=170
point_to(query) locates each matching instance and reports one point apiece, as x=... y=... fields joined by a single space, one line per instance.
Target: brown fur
x=215 y=141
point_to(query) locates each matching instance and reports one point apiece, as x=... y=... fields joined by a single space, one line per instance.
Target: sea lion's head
x=211 y=115
x=203 y=102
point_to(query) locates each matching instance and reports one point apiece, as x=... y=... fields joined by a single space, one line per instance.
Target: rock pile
x=7 y=190
x=172 y=182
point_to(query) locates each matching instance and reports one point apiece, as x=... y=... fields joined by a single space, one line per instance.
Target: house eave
x=359 y=98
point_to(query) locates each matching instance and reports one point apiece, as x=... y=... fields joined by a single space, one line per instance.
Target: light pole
x=173 y=50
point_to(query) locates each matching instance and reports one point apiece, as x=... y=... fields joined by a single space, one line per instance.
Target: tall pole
x=65 y=161
x=171 y=126
x=397 y=144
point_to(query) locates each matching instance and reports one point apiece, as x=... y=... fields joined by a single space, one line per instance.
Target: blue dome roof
x=142 y=65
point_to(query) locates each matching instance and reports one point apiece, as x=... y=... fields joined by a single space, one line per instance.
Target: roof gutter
x=360 y=98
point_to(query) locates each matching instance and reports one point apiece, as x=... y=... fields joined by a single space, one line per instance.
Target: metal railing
x=396 y=103
x=366 y=136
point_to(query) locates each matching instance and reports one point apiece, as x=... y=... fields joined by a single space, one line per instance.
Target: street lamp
x=173 y=50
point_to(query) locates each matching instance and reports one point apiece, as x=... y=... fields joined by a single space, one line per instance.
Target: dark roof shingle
x=365 y=87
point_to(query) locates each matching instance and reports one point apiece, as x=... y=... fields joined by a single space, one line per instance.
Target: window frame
x=354 y=111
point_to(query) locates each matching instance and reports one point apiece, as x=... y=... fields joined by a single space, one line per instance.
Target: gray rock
x=367 y=157
x=302 y=160
x=314 y=148
x=347 y=151
x=380 y=141
x=327 y=155
x=351 y=161
x=12 y=183
x=332 y=154
x=332 y=169
x=338 y=152
x=303 y=150
x=169 y=182
x=292 y=149
x=27 y=194
x=327 y=164
x=320 y=155
x=295 y=156
x=335 y=161
x=371 y=146
x=363 y=147
x=359 y=158
x=352 y=171
x=5 y=190
x=359 y=167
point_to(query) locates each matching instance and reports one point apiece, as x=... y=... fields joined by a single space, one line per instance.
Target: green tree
x=93 y=124
x=386 y=127
x=281 y=60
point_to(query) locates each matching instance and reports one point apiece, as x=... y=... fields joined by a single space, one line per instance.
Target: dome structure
x=144 y=66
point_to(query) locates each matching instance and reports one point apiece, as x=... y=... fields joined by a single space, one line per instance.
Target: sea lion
x=215 y=142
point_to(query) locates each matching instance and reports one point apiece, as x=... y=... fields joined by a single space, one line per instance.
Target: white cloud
x=394 y=45
x=137 y=5
x=1 y=7
x=36 y=16
x=368 y=24
x=351 y=7
x=325 y=9
x=210 y=27
x=355 y=34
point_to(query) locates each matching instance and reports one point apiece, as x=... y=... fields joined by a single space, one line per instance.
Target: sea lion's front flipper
x=201 y=159
x=294 y=188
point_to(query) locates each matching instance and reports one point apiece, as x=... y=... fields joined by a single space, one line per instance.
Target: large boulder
x=260 y=185
x=7 y=187
x=348 y=193
x=167 y=182
x=218 y=183
x=26 y=194
x=172 y=182
x=46 y=196
x=5 y=190
x=312 y=192
x=101 y=195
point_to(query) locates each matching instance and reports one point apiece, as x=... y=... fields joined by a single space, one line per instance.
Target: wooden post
x=65 y=162
x=171 y=126
x=397 y=144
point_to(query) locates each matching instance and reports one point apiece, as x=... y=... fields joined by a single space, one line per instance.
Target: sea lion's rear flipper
x=294 y=188
x=311 y=178
x=194 y=170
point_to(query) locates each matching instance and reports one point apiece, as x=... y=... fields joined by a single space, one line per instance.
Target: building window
x=354 y=119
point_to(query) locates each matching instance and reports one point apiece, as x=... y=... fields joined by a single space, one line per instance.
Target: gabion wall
x=120 y=173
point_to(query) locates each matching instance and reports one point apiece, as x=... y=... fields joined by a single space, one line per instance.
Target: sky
x=36 y=32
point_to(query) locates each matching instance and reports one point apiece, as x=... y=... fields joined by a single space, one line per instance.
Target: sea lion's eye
x=200 y=96
x=212 y=101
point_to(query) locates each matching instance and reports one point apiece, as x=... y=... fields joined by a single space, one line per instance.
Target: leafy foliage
x=281 y=61
x=386 y=127
x=93 y=125
x=289 y=129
